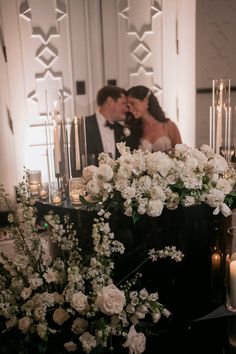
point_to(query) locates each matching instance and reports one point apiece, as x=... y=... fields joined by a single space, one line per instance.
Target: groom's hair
x=114 y=92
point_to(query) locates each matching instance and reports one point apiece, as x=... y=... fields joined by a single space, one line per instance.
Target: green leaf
x=135 y=216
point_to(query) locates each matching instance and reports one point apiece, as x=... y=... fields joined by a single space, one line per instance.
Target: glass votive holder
x=217 y=281
x=231 y=270
x=56 y=197
x=75 y=190
x=43 y=191
x=34 y=180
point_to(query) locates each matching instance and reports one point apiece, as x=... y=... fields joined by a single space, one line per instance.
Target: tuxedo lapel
x=94 y=141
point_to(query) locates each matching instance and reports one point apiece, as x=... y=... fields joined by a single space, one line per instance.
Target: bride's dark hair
x=141 y=92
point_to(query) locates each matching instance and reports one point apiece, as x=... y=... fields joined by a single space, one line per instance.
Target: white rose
x=207 y=150
x=158 y=162
x=154 y=208
x=143 y=294
x=93 y=186
x=24 y=324
x=39 y=314
x=220 y=164
x=110 y=300
x=188 y=201
x=105 y=172
x=88 y=341
x=79 y=302
x=133 y=294
x=60 y=316
x=128 y=193
x=153 y=297
x=224 y=186
x=136 y=342
x=89 y=172
x=79 y=325
x=181 y=150
x=157 y=193
x=215 y=198
x=70 y=346
x=58 y=298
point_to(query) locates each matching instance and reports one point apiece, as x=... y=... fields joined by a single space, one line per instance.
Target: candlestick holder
x=220 y=119
x=79 y=155
x=230 y=270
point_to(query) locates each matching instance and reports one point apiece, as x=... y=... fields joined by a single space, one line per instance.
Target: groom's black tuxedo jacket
x=94 y=141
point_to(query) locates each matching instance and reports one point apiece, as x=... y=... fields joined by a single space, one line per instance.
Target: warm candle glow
x=75 y=197
x=56 y=200
x=33 y=187
x=43 y=191
x=232 y=268
x=215 y=262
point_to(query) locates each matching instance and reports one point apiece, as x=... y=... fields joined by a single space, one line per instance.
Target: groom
x=102 y=128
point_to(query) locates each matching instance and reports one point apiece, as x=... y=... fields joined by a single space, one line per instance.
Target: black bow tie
x=110 y=125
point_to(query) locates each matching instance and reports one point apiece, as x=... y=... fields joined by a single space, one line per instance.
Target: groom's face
x=119 y=108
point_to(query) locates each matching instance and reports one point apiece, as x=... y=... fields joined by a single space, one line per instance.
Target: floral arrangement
x=142 y=182
x=71 y=299
x=66 y=297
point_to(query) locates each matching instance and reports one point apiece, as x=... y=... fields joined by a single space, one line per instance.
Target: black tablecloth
x=185 y=288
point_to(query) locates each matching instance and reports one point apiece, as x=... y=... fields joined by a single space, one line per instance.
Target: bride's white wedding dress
x=160 y=144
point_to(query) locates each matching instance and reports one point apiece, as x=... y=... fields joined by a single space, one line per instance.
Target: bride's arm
x=174 y=133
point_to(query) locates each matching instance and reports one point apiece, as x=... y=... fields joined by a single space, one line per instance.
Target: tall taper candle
x=219 y=119
x=77 y=146
x=85 y=140
x=56 y=150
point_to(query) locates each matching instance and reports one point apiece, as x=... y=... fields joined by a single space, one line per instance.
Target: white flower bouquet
x=145 y=183
x=66 y=301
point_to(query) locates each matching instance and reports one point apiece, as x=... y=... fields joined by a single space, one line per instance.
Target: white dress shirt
x=107 y=135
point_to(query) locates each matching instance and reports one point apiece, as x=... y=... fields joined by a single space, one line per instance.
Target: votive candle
x=215 y=262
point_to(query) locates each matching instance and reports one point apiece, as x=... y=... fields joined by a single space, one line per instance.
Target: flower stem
x=133 y=271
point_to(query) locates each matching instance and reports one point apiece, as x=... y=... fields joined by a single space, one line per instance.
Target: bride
x=153 y=130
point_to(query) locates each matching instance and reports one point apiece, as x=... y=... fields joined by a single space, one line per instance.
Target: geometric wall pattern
x=140 y=30
x=46 y=53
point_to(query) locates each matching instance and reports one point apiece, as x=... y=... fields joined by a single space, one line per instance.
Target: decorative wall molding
x=140 y=29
